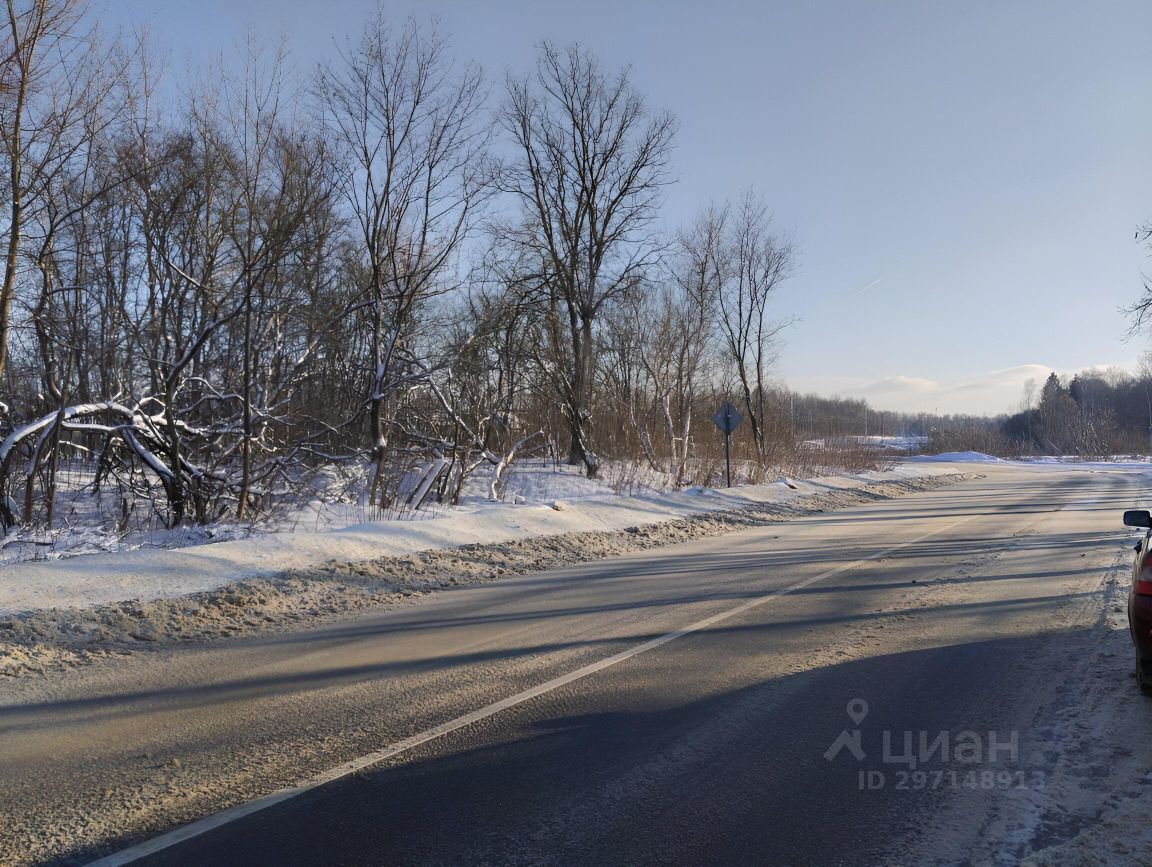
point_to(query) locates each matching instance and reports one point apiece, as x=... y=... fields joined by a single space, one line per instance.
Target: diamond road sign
x=728 y=418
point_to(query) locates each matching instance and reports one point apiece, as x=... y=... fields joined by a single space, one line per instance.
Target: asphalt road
x=946 y=612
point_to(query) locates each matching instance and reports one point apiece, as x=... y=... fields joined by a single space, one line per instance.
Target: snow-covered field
x=1110 y=462
x=906 y=444
x=956 y=457
x=901 y=444
x=540 y=501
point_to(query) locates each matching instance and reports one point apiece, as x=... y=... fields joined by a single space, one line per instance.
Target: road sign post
x=727 y=418
x=728 y=458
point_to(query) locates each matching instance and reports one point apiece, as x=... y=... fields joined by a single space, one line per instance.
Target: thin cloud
x=869 y=286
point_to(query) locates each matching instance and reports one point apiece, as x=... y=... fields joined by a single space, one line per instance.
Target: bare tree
x=60 y=250
x=589 y=175
x=39 y=46
x=1141 y=310
x=753 y=265
x=61 y=97
x=686 y=324
x=275 y=179
x=408 y=127
x=1027 y=403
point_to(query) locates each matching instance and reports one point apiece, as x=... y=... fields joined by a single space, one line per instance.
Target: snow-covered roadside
x=1095 y=804
x=1090 y=803
x=48 y=639
x=145 y=575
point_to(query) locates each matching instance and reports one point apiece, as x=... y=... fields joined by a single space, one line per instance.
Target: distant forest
x=1091 y=413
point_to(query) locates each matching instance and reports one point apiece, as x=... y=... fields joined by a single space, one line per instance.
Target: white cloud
x=990 y=393
x=902 y=385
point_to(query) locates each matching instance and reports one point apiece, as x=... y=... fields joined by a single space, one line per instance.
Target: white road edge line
x=224 y=817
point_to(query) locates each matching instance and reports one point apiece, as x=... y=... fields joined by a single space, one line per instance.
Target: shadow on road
x=612 y=770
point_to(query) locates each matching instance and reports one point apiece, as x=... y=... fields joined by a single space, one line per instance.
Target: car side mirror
x=1137 y=518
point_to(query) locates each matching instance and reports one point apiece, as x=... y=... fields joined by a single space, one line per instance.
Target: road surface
x=681 y=705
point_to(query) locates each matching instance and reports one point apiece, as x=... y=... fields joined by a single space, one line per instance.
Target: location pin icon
x=857 y=710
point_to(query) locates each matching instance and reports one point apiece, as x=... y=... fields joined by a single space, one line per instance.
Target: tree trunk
x=581 y=399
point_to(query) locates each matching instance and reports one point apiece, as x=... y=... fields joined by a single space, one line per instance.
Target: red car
x=1140 y=599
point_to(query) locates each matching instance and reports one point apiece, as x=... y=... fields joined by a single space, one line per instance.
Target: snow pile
x=153 y=574
x=22 y=545
x=333 y=498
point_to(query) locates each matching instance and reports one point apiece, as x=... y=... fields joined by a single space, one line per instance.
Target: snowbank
x=146 y=575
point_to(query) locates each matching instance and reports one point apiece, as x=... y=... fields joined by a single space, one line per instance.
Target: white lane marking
x=217 y=820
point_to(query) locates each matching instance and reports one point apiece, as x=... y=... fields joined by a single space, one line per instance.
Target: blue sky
x=964 y=179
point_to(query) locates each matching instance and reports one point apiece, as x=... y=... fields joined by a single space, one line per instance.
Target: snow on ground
x=905 y=444
x=957 y=458
x=890 y=443
x=332 y=498
x=1107 y=462
x=543 y=502
x=1093 y=803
